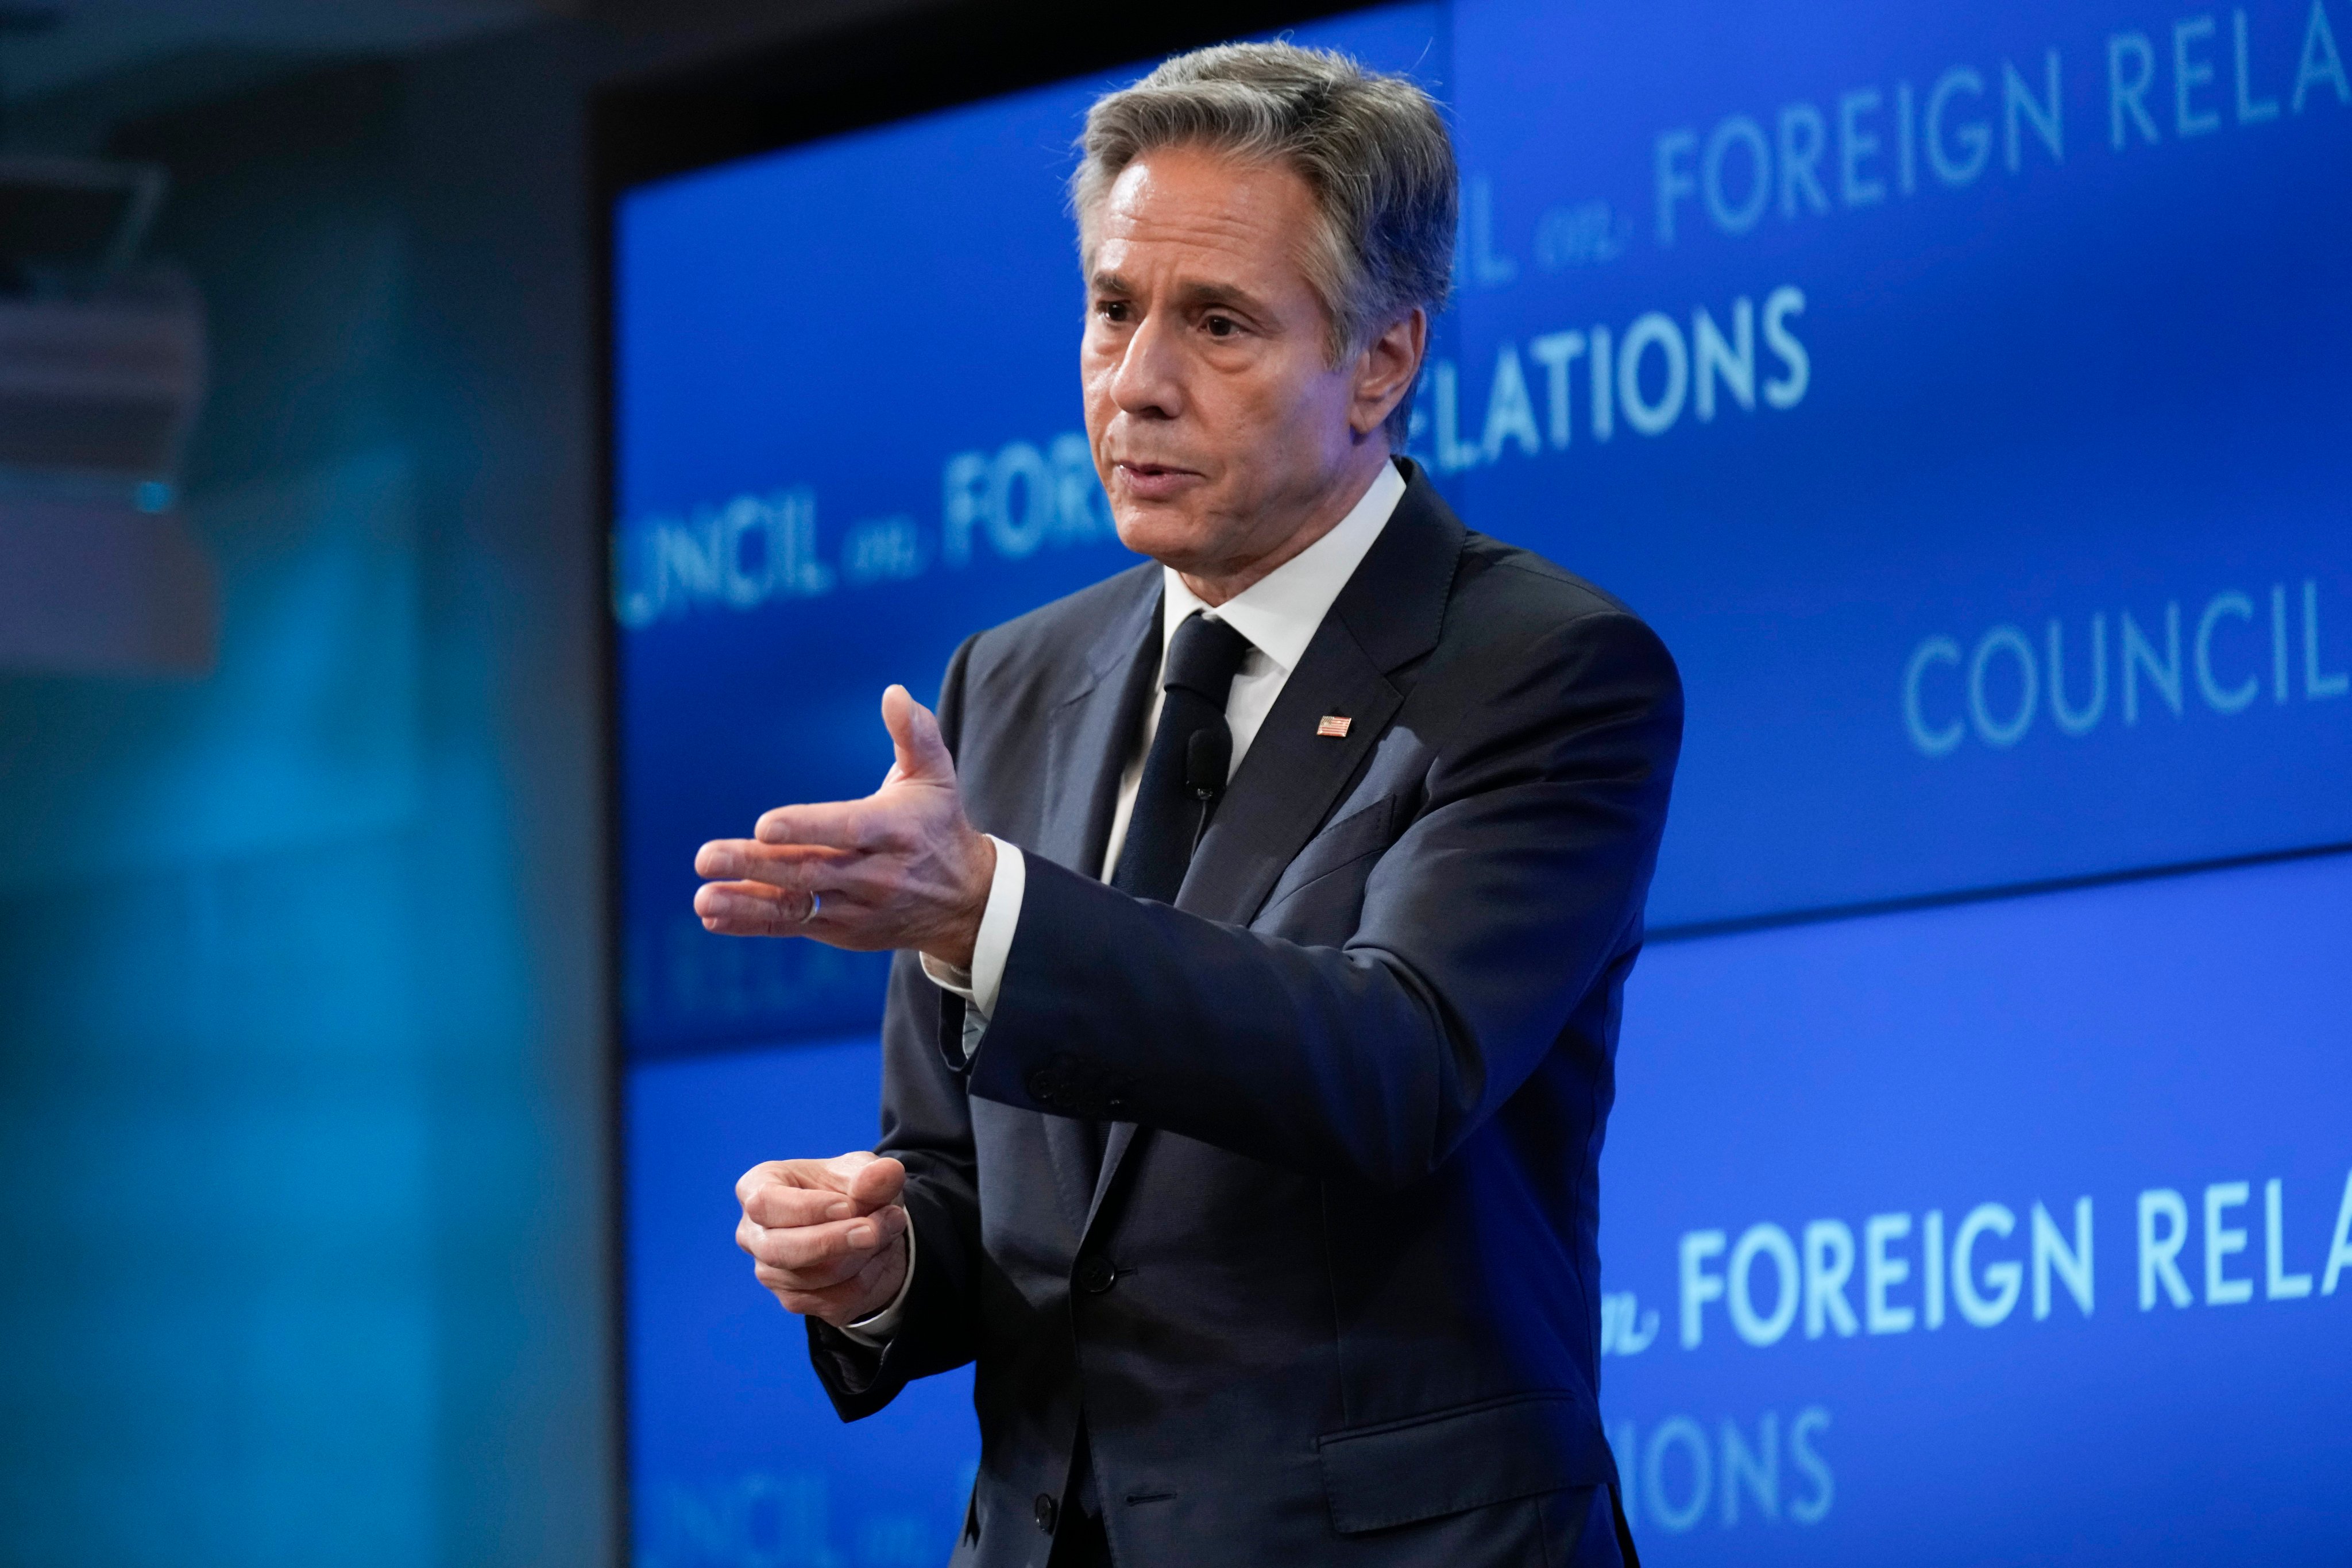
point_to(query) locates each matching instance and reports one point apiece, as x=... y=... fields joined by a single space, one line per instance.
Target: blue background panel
x=2177 y=1036
x=736 y=1455
x=2080 y=384
x=1978 y=449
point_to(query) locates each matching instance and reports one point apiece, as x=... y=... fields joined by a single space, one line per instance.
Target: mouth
x=1154 y=481
x=1151 y=483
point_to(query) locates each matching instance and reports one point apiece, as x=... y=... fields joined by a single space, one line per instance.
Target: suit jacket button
x=1046 y=1514
x=1040 y=1085
x=1096 y=1274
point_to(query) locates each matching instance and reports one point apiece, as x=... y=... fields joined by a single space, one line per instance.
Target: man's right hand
x=828 y=1237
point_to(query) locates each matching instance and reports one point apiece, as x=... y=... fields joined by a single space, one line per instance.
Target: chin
x=1167 y=536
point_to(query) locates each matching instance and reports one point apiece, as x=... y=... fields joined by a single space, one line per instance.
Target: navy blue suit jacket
x=1334 y=1296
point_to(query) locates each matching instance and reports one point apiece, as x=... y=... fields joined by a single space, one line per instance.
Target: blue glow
x=736 y=1455
x=1968 y=419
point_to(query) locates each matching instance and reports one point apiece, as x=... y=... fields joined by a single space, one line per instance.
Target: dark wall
x=304 y=1107
x=302 y=1091
x=500 y=338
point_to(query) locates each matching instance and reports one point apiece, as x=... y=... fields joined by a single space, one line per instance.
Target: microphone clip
x=1208 y=758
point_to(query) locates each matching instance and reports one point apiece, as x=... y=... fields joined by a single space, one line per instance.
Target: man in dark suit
x=1262 y=916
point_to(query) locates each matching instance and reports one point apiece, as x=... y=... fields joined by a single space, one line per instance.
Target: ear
x=1387 y=368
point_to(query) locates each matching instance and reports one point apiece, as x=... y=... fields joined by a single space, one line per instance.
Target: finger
x=801 y=1248
x=812 y=1277
x=853 y=1279
x=783 y=1280
x=725 y=914
x=842 y=923
x=796 y=867
x=837 y=1303
x=921 y=751
x=749 y=900
x=823 y=1303
x=817 y=1175
x=844 y=1300
x=764 y=930
x=843 y=914
x=778 y=1206
x=828 y=825
x=815 y=1275
x=810 y=1202
x=843 y=878
x=753 y=909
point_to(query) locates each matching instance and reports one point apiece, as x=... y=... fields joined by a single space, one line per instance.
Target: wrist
x=890 y=1279
x=954 y=944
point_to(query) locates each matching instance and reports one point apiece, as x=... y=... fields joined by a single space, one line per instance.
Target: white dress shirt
x=1279 y=614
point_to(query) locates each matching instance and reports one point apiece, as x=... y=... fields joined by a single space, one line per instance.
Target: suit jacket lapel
x=1088 y=737
x=1388 y=615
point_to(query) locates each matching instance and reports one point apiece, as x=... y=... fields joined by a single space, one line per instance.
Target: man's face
x=1219 y=425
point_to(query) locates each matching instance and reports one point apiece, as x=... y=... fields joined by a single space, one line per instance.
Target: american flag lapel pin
x=1333 y=724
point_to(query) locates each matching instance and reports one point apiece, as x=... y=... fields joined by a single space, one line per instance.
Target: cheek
x=1098 y=368
x=1288 y=394
x=1240 y=411
x=1280 y=419
x=1095 y=406
x=1319 y=405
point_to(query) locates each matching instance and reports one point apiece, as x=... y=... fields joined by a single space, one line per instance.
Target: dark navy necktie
x=1183 y=774
x=1184 y=771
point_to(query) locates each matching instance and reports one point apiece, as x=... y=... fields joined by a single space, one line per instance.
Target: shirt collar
x=1279 y=612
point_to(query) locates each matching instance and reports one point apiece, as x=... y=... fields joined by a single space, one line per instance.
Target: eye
x=1219 y=326
x=1113 y=311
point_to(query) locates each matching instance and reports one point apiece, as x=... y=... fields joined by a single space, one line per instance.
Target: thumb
x=879 y=1182
x=922 y=752
x=840 y=1172
x=869 y=1181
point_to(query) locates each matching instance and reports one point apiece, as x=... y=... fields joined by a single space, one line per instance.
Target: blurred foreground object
x=102 y=374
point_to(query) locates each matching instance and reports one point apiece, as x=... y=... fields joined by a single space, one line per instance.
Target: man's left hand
x=901 y=868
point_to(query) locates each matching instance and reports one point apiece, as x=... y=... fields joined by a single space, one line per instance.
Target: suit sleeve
x=927 y=1125
x=1518 y=883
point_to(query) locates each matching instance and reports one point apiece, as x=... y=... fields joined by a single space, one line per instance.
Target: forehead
x=1202 y=212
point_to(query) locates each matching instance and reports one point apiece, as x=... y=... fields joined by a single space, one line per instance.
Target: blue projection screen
x=1964 y=395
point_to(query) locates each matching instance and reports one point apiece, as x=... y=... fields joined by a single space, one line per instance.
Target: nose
x=1149 y=380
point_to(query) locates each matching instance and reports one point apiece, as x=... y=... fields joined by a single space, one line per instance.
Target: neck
x=1325 y=512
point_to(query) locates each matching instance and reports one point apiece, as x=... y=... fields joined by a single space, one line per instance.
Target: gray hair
x=1371 y=147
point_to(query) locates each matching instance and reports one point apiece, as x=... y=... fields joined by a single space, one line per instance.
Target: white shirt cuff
x=978 y=984
x=875 y=1331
